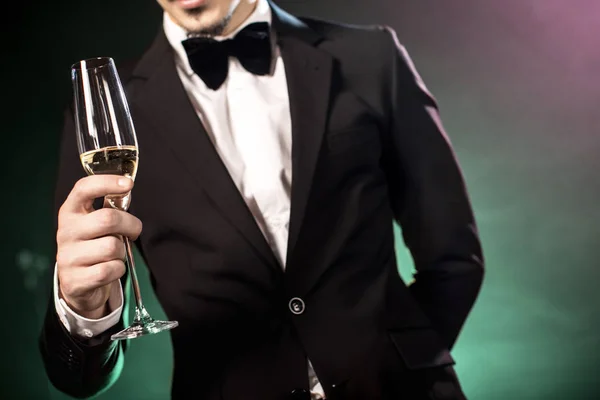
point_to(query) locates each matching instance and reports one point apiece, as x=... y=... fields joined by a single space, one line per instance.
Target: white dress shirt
x=248 y=121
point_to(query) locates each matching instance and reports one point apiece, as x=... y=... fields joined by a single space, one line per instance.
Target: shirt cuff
x=85 y=327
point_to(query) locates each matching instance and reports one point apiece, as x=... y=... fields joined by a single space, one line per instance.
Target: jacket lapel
x=163 y=101
x=308 y=72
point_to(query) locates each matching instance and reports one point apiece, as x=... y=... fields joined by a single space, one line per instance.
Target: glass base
x=144 y=327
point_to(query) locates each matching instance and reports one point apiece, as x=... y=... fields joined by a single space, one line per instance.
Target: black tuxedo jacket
x=368 y=149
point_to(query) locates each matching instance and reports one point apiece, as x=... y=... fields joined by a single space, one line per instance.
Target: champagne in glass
x=107 y=145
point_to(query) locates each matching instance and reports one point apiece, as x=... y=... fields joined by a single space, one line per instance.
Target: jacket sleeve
x=429 y=199
x=76 y=366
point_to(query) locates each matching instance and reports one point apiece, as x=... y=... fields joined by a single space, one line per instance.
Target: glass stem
x=141 y=315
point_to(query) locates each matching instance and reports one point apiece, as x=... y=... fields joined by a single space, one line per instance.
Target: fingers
x=91 y=252
x=79 y=281
x=87 y=189
x=107 y=221
x=103 y=222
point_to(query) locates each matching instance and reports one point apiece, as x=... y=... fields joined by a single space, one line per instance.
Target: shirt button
x=296 y=306
x=87 y=333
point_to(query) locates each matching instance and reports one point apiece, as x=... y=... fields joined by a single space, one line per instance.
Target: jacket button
x=87 y=333
x=296 y=305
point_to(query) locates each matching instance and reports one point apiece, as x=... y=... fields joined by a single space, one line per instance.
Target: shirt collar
x=176 y=34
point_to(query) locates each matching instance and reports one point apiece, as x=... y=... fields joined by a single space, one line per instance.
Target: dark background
x=518 y=82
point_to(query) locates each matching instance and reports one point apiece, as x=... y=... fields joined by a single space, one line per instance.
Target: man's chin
x=197 y=23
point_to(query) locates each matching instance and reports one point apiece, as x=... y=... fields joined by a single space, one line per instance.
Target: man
x=273 y=165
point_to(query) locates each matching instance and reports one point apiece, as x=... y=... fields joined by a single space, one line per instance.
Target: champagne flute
x=107 y=145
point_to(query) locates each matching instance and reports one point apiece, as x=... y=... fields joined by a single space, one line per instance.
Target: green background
x=518 y=82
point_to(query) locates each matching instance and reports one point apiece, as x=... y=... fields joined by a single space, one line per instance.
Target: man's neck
x=244 y=9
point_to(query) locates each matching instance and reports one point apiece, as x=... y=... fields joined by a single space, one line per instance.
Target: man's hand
x=90 y=252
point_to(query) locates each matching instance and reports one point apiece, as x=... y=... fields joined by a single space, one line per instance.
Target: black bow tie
x=210 y=58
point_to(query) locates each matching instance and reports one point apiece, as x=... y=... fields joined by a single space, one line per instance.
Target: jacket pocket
x=339 y=141
x=421 y=348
